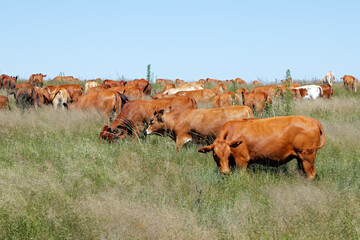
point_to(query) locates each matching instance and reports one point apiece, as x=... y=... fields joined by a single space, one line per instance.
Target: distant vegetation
x=57 y=181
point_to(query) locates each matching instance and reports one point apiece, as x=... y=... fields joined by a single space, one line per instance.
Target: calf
x=195 y=124
x=269 y=141
x=256 y=100
x=37 y=79
x=350 y=82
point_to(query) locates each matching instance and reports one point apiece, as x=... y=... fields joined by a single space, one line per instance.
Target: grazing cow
x=195 y=124
x=350 y=82
x=163 y=81
x=113 y=83
x=271 y=90
x=202 y=81
x=2 y=76
x=225 y=100
x=240 y=90
x=90 y=84
x=256 y=100
x=313 y=91
x=37 y=79
x=167 y=86
x=65 y=79
x=179 y=81
x=9 y=83
x=4 y=103
x=142 y=84
x=268 y=141
x=131 y=92
x=26 y=96
x=75 y=90
x=184 y=87
x=135 y=116
x=327 y=90
x=220 y=88
x=60 y=97
x=108 y=102
x=255 y=82
x=201 y=96
x=329 y=78
x=210 y=80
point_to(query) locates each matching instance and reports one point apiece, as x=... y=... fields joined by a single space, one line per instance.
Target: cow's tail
x=321 y=91
x=322 y=133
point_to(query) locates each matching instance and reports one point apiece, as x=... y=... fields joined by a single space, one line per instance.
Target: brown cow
x=163 y=81
x=75 y=90
x=268 y=141
x=201 y=96
x=113 y=83
x=255 y=82
x=65 y=79
x=97 y=89
x=239 y=81
x=179 y=81
x=135 y=116
x=26 y=96
x=195 y=124
x=350 y=82
x=131 y=92
x=37 y=79
x=220 y=88
x=225 y=100
x=328 y=91
x=2 y=76
x=167 y=86
x=256 y=100
x=240 y=90
x=4 y=103
x=142 y=84
x=108 y=102
x=60 y=97
x=9 y=83
x=271 y=90
x=211 y=80
x=292 y=81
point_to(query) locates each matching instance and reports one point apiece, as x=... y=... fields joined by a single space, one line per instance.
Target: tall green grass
x=57 y=181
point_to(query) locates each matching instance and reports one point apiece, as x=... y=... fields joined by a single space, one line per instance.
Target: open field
x=57 y=181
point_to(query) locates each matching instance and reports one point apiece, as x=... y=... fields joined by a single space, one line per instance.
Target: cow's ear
x=205 y=149
x=155 y=113
x=235 y=143
x=66 y=105
x=161 y=112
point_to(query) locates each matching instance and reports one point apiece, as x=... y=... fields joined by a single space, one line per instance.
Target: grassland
x=57 y=181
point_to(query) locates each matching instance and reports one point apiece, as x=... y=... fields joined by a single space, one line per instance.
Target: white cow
x=184 y=87
x=329 y=78
x=313 y=91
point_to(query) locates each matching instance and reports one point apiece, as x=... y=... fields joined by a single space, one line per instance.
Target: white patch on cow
x=313 y=91
x=148 y=132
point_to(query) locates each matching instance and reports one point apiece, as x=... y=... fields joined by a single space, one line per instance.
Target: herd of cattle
x=228 y=128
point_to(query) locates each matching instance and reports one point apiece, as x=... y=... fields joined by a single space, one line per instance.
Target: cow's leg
x=181 y=140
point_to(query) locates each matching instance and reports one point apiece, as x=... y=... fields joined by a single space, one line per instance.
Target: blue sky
x=180 y=39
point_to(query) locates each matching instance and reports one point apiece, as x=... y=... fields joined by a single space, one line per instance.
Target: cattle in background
x=328 y=91
x=271 y=90
x=65 y=79
x=195 y=124
x=201 y=96
x=329 y=78
x=167 y=86
x=313 y=91
x=75 y=90
x=225 y=100
x=211 y=80
x=37 y=79
x=90 y=84
x=4 y=103
x=97 y=89
x=113 y=83
x=179 y=81
x=142 y=84
x=135 y=116
x=350 y=82
x=240 y=90
x=9 y=82
x=239 y=81
x=2 y=76
x=131 y=92
x=269 y=141
x=255 y=82
x=184 y=87
x=257 y=101
x=220 y=88
x=108 y=102
x=163 y=81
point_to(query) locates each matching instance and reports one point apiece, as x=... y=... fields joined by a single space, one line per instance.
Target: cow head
x=157 y=124
x=221 y=152
x=112 y=135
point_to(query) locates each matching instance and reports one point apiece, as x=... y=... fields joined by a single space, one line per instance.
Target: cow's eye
x=151 y=121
